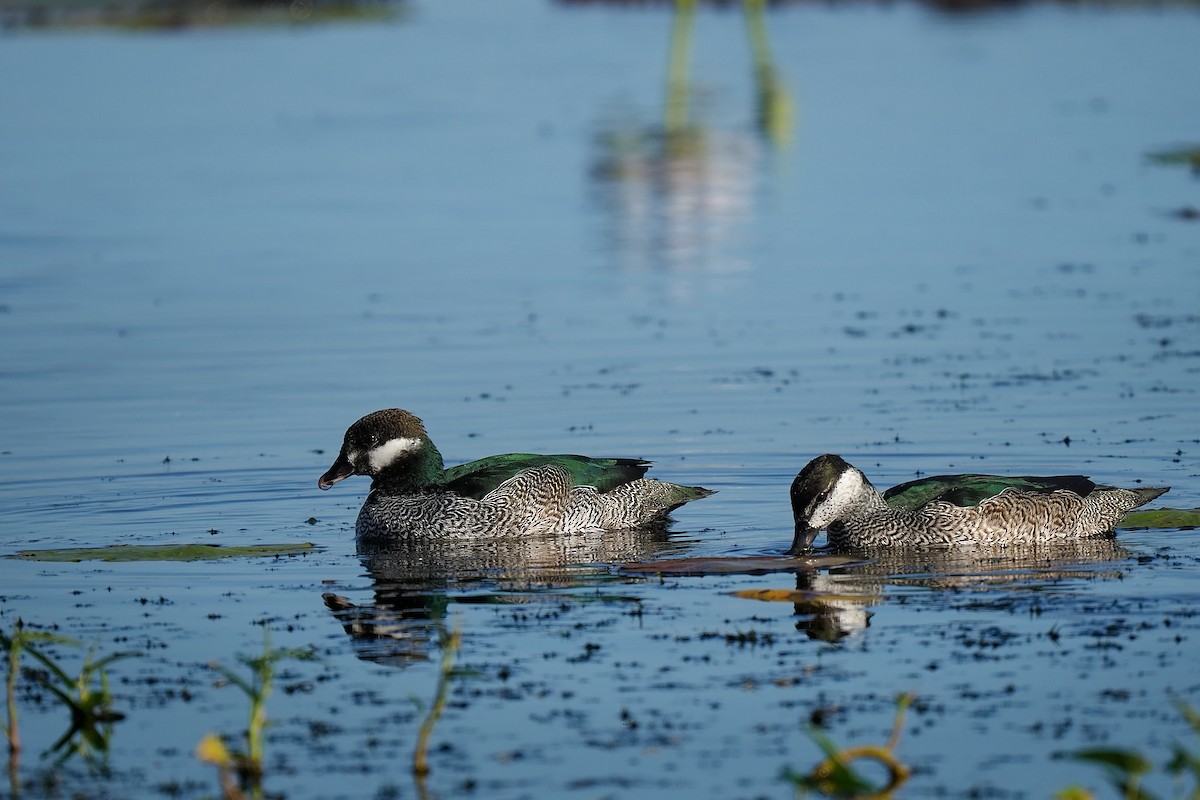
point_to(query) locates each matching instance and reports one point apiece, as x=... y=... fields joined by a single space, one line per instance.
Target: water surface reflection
x=416 y=579
x=833 y=605
x=834 y=594
x=677 y=191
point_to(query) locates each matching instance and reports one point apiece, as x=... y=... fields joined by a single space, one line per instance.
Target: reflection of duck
x=833 y=605
x=416 y=577
x=953 y=509
x=504 y=495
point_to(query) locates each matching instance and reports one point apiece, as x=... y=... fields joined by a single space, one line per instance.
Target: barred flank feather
x=1012 y=517
x=535 y=501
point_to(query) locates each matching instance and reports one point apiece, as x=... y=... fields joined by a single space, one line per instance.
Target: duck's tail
x=686 y=494
x=645 y=499
x=1147 y=493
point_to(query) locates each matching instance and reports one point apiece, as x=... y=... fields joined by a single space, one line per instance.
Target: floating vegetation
x=242 y=772
x=1126 y=768
x=166 y=552
x=1162 y=518
x=149 y=15
x=836 y=777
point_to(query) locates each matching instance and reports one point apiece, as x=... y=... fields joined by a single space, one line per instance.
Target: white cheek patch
x=842 y=497
x=847 y=489
x=387 y=453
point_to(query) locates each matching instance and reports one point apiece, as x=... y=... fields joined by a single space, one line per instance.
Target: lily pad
x=1162 y=518
x=167 y=552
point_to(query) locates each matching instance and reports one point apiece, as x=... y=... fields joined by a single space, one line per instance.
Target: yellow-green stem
x=677 y=66
x=13 y=731
x=449 y=650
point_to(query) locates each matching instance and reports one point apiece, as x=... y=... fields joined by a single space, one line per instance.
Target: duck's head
x=380 y=441
x=824 y=492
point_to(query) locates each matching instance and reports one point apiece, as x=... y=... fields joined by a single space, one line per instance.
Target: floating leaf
x=173 y=552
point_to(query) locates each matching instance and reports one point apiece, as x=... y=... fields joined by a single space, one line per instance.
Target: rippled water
x=929 y=243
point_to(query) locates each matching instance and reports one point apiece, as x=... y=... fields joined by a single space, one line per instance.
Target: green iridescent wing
x=477 y=478
x=970 y=490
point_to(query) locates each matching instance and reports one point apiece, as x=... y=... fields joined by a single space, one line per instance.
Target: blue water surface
x=946 y=249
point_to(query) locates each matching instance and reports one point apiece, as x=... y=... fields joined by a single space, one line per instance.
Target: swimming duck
x=949 y=510
x=504 y=495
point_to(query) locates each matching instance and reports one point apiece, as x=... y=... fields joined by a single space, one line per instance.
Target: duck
x=952 y=510
x=513 y=494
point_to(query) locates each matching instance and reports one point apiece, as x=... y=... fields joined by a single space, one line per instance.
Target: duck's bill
x=802 y=543
x=341 y=469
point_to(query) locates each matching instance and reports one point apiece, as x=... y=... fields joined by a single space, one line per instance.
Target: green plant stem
x=249 y=765
x=449 y=650
x=902 y=703
x=822 y=775
x=13 y=731
x=677 y=67
x=258 y=709
x=835 y=776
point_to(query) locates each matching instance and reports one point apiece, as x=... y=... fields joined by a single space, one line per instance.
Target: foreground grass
x=836 y=775
x=241 y=772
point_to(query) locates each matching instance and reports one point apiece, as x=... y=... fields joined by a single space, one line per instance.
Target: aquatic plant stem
x=12 y=730
x=450 y=646
x=248 y=765
x=258 y=707
x=81 y=715
x=677 y=67
x=835 y=777
x=822 y=775
x=257 y=689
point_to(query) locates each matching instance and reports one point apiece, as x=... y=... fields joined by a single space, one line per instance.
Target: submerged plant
x=836 y=777
x=1126 y=768
x=241 y=772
